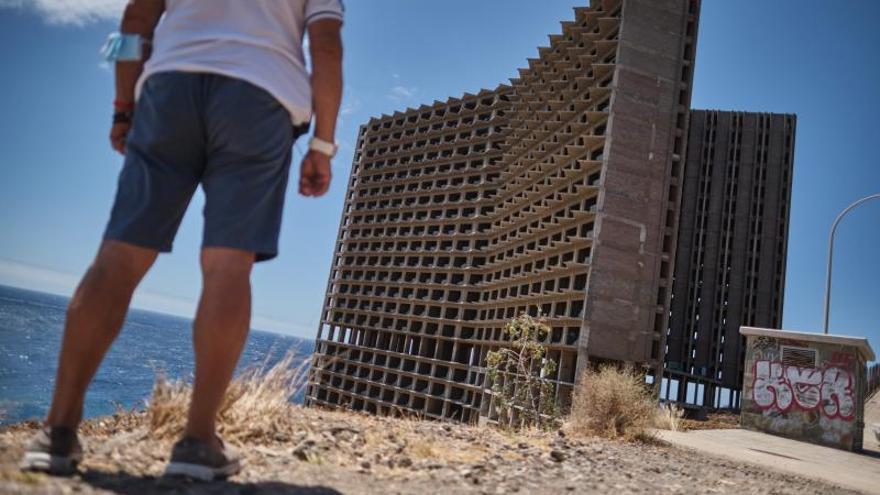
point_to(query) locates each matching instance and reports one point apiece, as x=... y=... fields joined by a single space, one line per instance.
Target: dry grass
x=257 y=412
x=257 y=403
x=715 y=421
x=612 y=403
x=669 y=417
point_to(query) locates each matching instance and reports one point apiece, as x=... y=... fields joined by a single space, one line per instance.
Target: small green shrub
x=522 y=394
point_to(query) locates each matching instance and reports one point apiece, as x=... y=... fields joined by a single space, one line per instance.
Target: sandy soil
x=339 y=452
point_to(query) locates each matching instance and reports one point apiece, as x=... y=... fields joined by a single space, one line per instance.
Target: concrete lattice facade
x=557 y=194
x=730 y=268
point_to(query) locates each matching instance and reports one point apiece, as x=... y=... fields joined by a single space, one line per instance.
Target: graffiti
x=764 y=343
x=805 y=384
x=837 y=393
x=770 y=387
x=782 y=387
x=843 y=358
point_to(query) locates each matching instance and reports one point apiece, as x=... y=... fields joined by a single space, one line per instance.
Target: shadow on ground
x=869 y=453
x=129 y=484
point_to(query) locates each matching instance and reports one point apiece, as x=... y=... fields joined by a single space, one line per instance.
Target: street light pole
x=831 y=252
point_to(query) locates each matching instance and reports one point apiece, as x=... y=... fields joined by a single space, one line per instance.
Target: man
x=220 y=101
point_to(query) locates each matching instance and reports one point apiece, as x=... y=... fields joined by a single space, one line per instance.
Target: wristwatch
x=324 y=147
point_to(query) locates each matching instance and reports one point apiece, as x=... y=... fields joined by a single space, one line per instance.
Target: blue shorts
x=226 y=134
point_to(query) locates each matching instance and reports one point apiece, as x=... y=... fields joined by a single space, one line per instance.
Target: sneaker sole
x=48 y=463
x=200 y=472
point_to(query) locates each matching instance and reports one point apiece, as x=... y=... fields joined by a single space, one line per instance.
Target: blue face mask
x=121 y=47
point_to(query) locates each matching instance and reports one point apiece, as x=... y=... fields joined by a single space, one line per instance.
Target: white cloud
x=402 y=94
x=70 y=12
x=349 y=108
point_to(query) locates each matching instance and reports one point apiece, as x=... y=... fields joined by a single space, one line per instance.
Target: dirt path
x=347 y=453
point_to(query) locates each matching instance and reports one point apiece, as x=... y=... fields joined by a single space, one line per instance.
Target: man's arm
x=140 y=17
x=325 y=42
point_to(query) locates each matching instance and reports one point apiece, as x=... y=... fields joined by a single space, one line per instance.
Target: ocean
x=31 y=325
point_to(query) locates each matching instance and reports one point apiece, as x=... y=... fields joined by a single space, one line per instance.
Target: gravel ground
x=337 y=452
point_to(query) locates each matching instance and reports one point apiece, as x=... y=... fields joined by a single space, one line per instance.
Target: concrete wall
x=822 y=403
x=630 y=278
x=732 y=246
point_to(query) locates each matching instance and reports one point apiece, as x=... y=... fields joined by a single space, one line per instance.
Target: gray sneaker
x=54 y=450
x=195 y=459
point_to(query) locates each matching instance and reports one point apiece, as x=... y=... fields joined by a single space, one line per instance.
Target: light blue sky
x=815 y=58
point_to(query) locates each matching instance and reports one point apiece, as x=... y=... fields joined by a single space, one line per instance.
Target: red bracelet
x=123 y=105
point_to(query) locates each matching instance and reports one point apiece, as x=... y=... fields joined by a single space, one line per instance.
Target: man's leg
x=221 y=327
x=94 y=316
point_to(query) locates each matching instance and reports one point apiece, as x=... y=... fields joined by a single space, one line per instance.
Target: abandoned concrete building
x=557 y=194
x=732 y=245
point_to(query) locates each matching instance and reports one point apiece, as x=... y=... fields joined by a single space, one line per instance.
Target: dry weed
x=669 y=417
x=612 y=403
x=257 y=403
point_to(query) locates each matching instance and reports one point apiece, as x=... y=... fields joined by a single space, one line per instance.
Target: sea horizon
x=150 y=343
x=6 y=285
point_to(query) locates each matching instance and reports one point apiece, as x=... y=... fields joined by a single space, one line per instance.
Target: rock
x=267 y=451
x=306 y=450
x=558 y=455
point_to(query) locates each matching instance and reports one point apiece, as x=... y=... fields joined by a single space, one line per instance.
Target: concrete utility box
x=805 y=386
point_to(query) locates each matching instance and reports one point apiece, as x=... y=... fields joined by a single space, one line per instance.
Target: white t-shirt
x=259 y=41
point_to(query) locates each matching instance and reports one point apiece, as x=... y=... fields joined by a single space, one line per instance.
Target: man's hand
x=140 y=17
x=118 y=134
x=314 y=174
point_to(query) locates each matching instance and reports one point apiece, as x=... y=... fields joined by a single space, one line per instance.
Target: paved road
x=857 y=471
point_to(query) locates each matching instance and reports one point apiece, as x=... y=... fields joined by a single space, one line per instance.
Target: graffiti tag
x=827 y=390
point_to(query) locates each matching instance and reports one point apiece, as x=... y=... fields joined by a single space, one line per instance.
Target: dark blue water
x=31 y=325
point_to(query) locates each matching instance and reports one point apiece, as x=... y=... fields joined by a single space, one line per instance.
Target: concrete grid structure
x=732 y=245
x=557 y=193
